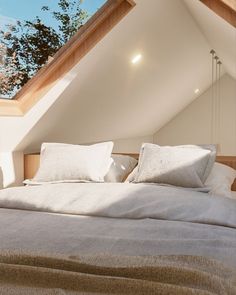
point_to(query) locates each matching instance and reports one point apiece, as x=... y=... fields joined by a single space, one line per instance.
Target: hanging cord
x=212 y=52
x=219 y=63
x=216 y=101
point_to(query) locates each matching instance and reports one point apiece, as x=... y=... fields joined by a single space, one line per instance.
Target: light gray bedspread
x=120 y=219
x=123 y=200
x=173 y=241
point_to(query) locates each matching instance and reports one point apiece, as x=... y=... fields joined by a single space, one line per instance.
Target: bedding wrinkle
x=116 y=274
x=123 y=200
x=180 y=175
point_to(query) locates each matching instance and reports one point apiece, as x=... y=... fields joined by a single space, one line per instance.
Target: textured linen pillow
x=65 y=162
x=220 y=180
x=132 y=175
x=122 y=165
x=212 y=148
x=185 y=166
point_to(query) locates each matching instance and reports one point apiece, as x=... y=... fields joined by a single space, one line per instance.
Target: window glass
x=31 y=32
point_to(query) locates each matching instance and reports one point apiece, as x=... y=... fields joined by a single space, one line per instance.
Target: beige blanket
x=36 y=274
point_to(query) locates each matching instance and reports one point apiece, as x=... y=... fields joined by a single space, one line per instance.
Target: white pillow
x=132 y=175
x=66 y=162
x=122 y=165
x=220 y=180
x=185 y=166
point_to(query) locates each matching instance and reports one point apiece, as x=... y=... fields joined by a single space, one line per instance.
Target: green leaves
x=70 y=18
x=27 y=46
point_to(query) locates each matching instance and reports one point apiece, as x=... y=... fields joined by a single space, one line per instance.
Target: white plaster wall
x=218 y=32
x=11 y=169
x=111 y=98
x=18 y=127
x=193 y=124
x=131 y=145
x=124 y=145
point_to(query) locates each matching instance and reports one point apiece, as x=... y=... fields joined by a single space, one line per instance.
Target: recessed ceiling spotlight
x=196 y=91
x=136 y=58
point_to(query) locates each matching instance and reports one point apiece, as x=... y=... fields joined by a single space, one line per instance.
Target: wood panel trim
x=10 y=108
x=230 y=3
x=67 y=57
x=224 y=8
x=231 y=162
x=31 y=164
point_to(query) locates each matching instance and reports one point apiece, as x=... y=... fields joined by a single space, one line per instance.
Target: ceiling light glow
x=136 y=58
x=196 y=91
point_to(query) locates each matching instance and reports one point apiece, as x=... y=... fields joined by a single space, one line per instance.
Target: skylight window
x=31 y=32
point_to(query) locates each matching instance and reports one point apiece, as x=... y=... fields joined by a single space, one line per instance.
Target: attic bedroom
x=118 y=147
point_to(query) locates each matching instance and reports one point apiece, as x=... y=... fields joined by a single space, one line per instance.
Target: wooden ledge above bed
x=31 y=164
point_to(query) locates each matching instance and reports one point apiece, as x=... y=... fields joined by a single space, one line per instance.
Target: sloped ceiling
x=110 y=98
x=220 y=34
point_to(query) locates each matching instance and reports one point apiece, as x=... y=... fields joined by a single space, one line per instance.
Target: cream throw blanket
x=36 y=274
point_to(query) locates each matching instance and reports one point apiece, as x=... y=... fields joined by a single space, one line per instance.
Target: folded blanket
x=44 y=274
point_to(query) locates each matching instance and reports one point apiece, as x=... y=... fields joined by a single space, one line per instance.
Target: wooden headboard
x=31 y=164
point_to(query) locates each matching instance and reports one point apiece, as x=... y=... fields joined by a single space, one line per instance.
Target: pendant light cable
x=212 y=52
x=219 y=101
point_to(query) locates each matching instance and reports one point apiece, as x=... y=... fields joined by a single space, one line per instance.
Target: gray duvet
x=119 y=219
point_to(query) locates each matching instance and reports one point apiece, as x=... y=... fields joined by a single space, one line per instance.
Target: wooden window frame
x=67 y=57
x=224 y=8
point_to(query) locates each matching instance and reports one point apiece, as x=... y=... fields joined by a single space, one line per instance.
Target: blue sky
x=28 y=9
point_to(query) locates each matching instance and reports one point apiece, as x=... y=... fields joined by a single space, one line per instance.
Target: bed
x=116 y=238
